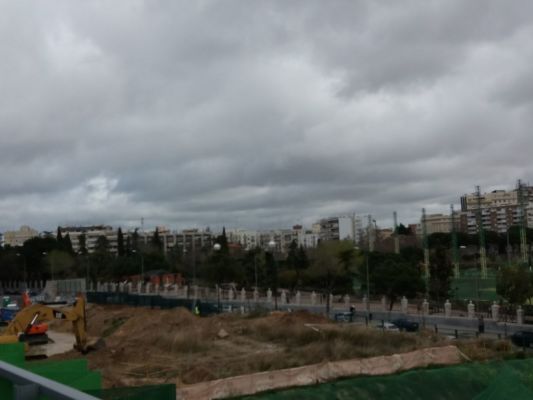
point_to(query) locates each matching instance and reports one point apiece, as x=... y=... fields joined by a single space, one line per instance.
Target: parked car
x=405 y=325
x=388 y=326
x=522 y=338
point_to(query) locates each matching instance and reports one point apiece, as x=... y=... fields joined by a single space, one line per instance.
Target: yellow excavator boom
x=37 y=313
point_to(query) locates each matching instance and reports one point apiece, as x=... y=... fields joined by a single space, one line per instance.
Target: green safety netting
x=476 y=381
x=75 y=373
x=153 y=301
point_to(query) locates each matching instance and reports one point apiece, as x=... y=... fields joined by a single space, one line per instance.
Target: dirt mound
x=152 y=346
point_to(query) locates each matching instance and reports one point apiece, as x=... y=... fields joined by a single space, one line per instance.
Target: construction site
x=133 y=352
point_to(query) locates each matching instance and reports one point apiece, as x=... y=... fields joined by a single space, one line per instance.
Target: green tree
x=82 y=244
x=332 y=267
x=393 y=276
x=67 y=244
x=62 y=264
x=102 y=244
x=253 y=262
x=514 y=284
x=156 y=242
x=403 y=230
x=59 y=236
x=441 y=271
x=120 y=243
x=135 y=240
x=221 y=266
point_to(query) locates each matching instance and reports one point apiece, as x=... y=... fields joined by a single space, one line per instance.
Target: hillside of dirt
x=152 y=346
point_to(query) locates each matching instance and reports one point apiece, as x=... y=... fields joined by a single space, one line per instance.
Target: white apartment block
x=248 y=239
x=92 y=233
x=341 y=228
x=186 y=240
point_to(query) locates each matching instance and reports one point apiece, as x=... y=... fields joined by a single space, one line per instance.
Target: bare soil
x=152 y=346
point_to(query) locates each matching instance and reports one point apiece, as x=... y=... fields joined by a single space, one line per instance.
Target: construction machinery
x=27 y=321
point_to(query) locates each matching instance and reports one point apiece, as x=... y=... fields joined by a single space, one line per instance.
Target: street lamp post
x=272 y=247
x=216 y=248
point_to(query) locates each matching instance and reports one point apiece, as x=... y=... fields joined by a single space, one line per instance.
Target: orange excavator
x=36 y=333
x=31 y=321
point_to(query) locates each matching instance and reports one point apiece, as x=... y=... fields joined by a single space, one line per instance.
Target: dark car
x=522 y=338
x=406 y=325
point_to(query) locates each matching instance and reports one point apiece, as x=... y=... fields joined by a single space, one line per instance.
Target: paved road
x=465 y=327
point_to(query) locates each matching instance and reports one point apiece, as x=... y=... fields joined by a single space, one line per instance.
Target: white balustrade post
x=366 y=304
x=447 y=309
x=495 y=311
x=471 y=310
x=404 y=305
x=520 y=315
x=425 y=307
x=313 y=298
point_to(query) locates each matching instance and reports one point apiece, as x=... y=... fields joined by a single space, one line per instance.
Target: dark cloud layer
x=258 y=114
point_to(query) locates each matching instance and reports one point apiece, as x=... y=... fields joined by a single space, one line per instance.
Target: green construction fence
x=76 y=374
x=496 y=380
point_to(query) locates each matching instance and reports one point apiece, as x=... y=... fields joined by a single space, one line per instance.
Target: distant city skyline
x=258 y=114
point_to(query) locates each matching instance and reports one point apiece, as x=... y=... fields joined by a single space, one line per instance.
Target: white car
x=388 y=326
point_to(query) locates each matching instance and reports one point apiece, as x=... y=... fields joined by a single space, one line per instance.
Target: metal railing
x=29 y=386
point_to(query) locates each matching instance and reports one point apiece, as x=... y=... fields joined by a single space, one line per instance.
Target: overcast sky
x=258 y=114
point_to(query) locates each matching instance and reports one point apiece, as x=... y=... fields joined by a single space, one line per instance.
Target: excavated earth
x=150 y=346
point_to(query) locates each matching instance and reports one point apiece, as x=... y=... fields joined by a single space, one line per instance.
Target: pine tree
x=156 y=240
x=128 y=246
x=67 y=244
x=82 y=243
x=59 y=237
x=120 y=243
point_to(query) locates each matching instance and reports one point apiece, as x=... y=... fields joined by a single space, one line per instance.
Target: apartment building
x=18 y=237
x=341 y=228
x=500 y=209
x=248 y=239
x=91 y=233
x=188 y=239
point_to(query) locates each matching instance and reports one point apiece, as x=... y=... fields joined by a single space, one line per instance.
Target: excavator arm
x=38 y=313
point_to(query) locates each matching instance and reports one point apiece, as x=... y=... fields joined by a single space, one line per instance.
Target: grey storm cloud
x=258 y=114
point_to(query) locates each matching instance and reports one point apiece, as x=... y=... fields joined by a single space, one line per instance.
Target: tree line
x=333 y=267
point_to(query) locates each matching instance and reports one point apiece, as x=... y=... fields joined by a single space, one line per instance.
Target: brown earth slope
x=152 y=346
